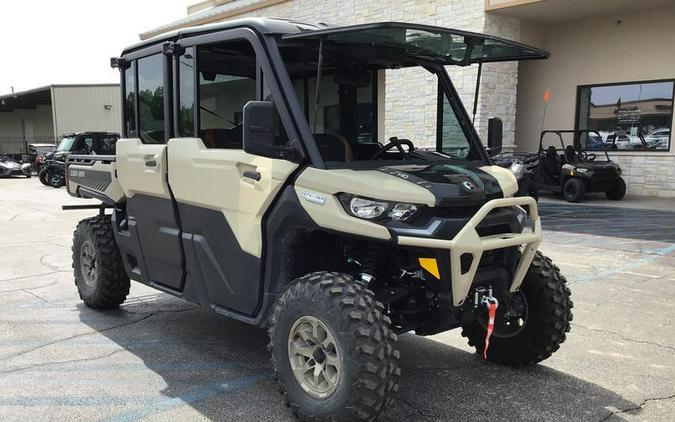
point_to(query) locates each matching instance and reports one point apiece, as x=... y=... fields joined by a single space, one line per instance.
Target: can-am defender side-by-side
x=52 y=172
x=252 y=177
x=572 y=170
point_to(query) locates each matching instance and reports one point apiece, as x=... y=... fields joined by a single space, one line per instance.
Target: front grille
x=455 y=212
x=493 y=229
x=492 y=258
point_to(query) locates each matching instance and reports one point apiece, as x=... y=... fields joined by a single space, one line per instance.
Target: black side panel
x=158 y=234
x=216 y=265
x=284 y=223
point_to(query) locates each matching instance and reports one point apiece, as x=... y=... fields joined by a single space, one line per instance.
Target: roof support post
x=477 y=91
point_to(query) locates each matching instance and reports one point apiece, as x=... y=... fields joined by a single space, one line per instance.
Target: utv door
x=154 y=241
x=222 y=193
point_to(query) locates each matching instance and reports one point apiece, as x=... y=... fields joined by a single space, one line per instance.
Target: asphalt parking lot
x=159 y=358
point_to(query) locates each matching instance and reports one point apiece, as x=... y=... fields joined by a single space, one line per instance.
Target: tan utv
x=252 y=177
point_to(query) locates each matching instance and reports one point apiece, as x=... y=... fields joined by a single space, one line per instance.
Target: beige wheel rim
x=88 y=263
x=314 y=357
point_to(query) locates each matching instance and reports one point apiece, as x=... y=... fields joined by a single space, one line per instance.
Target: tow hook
x=480 y=294
x=491 y=303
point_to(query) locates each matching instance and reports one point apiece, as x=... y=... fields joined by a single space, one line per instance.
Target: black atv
x=572 y=170
x=523 y=166
x=53 y=170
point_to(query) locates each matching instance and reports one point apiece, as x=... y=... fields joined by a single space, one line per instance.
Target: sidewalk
x=632 y=202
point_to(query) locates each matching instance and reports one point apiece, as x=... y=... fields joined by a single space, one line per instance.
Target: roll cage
x=576 y=143
x=418 y=45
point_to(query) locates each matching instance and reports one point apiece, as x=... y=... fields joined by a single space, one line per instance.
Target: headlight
x=402 y=212
x=370 y=209
x=518 y=169
x=366 y=208
x=581 y=170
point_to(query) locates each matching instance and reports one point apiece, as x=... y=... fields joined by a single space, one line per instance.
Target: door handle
x=252 y=175
x=151 y=163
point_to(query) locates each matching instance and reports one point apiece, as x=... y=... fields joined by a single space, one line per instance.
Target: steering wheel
x=586 y=156
x=394 y=142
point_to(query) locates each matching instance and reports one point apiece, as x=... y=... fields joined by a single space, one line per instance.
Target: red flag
x=547 y=96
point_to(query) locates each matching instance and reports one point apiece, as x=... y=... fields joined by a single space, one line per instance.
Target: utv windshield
x=383 y=96
x=66 y=143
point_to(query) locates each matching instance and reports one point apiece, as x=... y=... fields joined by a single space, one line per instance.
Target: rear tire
x=574 y=189
x=364 y=374
x=618 y=190
x=99 y=273
x=549 y=316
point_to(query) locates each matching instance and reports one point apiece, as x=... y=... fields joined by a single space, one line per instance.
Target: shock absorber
x=373 y=261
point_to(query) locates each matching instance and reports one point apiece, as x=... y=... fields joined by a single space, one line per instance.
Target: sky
x=71 y=41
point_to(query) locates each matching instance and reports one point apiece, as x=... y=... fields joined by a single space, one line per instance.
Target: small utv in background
x=523 y=166
x=53 y=168
x=573 y=171
x=37 y=153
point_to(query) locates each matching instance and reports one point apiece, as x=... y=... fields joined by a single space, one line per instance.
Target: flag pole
x=547 y=97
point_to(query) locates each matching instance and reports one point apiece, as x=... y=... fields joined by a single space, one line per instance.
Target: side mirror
x=258 y=122
x=495 y=135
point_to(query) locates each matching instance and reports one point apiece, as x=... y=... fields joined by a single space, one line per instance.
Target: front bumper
x=7 y=172
x=468 y=241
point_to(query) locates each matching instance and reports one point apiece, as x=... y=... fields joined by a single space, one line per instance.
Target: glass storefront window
x=628 y=116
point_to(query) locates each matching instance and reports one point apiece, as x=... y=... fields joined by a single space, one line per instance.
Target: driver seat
x=333 y=147
x=570 y=154
x=551 y=162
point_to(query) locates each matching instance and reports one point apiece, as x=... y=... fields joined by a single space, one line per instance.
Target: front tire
x=574 y=189
x=42 y=175
x=618 y=190
x=55 y=179
x=99 y=273
x=549 y=313
x=332 y=321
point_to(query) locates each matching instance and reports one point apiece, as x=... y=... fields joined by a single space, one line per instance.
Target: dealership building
x=611 y=70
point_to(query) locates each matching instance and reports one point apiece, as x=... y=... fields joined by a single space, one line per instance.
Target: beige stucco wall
x=598 y=50
x=11 y=123
x=82 y=108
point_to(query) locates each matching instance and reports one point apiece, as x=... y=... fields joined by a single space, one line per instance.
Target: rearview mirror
x=258 y=122
x=495 y=135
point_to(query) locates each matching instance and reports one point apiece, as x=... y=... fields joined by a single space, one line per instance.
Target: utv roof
x=90 y=132
x=443 y=45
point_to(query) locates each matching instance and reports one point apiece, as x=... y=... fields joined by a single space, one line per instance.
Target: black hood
x=595 y=165
x=57 y=155
x=450 y=183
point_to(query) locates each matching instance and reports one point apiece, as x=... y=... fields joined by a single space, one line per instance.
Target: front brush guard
x=468 y=241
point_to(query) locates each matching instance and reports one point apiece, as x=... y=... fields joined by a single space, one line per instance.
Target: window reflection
x=634 y=116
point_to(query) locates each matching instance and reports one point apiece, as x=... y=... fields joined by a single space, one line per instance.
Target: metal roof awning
x=26 y=100
x=443 y=45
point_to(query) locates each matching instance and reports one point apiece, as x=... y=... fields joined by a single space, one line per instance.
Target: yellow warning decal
x=431 y=266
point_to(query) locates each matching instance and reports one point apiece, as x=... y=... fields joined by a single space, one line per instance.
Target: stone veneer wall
x=411 y=90
x=648 y=174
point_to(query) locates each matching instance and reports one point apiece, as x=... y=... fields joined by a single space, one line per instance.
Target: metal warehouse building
x=44 y=115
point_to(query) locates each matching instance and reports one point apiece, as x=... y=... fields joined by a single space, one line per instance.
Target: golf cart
x=254 y=177
x=572 y=170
